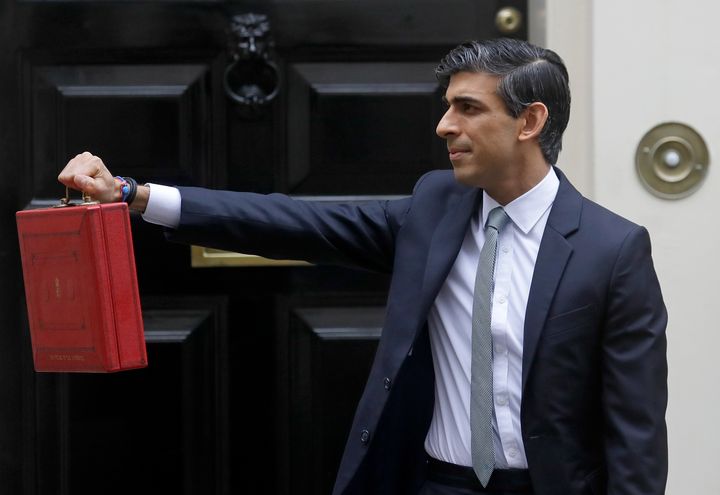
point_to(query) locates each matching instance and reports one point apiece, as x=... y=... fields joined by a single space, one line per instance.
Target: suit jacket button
x=388 y=383
x=365 y=436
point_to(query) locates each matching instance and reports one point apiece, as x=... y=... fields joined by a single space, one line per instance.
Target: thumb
x=85 y=184
x=96 y=187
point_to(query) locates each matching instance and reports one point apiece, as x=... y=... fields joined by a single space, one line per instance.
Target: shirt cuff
x=163 y=207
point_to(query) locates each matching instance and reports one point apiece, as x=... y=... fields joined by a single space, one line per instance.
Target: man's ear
x=532 y=121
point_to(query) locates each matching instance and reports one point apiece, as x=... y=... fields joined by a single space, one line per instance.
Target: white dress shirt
x=448 y=438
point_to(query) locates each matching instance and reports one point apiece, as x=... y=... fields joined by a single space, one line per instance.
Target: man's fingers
x=85 y=164
x=85 y=184
x=87 y=173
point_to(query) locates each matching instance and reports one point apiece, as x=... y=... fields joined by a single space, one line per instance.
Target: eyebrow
x=463 y=99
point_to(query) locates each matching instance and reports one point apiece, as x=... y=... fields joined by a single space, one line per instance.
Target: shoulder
x=434 y=194
x=574 y=213
x=439 y=183
x=602 y=216
x=610 y=236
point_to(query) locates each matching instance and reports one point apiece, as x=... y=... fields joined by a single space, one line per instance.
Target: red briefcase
x=81 y=288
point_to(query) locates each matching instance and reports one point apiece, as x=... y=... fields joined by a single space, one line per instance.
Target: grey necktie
x=481 y=382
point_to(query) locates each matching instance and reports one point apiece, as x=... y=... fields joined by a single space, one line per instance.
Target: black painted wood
x=141 y=84
x=330 y=350
x=148 y=121
x=361 y=128
x=162 y=428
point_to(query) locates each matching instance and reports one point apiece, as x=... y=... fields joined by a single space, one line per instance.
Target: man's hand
x=87 y=173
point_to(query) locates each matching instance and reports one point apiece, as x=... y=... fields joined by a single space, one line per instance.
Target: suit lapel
x=553 y=255
x=445 y=245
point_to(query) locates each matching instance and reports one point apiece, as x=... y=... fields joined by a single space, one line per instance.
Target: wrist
x=140 y=201
x=117 y=192
x=132 y=193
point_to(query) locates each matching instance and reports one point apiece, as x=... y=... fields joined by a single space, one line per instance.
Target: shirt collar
x=526 y=210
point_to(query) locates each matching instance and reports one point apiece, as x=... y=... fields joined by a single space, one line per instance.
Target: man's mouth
x=455 y=153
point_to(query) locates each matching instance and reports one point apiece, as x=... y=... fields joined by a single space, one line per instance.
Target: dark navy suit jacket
x=594 y=360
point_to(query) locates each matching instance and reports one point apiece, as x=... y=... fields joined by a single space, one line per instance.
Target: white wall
x=637 y=64
x=564 y=26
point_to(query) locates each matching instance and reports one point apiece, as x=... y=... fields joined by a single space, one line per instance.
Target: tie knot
x=497 y=218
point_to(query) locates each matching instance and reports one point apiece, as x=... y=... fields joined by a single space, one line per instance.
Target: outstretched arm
x=359 y=234
x=274 y=226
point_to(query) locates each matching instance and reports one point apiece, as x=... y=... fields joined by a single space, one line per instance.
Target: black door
x=255 y=367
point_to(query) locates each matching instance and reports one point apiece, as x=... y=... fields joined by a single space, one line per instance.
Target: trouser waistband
x=506 y=480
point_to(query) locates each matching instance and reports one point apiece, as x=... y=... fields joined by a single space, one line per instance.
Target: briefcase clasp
x=86 y=200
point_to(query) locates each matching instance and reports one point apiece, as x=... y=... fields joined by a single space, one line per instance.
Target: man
x=524 y=343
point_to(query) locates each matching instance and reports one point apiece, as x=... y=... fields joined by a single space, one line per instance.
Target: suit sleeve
x=635 y=374
x=276 y=226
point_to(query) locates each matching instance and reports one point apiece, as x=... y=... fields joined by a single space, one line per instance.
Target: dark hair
x=528 y=73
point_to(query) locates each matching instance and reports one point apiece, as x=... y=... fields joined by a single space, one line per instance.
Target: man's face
x=482 y=137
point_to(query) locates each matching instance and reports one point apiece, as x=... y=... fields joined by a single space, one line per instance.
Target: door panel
x=163 y=427
x=148 y=121
x=323 y=389
x=363 y=128
x=142 y=85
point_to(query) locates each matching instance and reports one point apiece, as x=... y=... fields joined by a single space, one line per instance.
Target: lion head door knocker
x=252 y=78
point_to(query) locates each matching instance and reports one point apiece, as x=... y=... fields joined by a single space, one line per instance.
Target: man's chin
x=465 y=178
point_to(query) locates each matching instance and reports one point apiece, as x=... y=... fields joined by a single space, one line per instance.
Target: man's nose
x=446 y=127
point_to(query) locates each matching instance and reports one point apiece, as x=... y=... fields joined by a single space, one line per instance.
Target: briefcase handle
x=86 y=200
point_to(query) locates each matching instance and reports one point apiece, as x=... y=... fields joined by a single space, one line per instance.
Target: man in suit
x=576 y=373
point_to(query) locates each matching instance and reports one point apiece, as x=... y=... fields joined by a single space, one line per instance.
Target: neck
x=515 y=185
